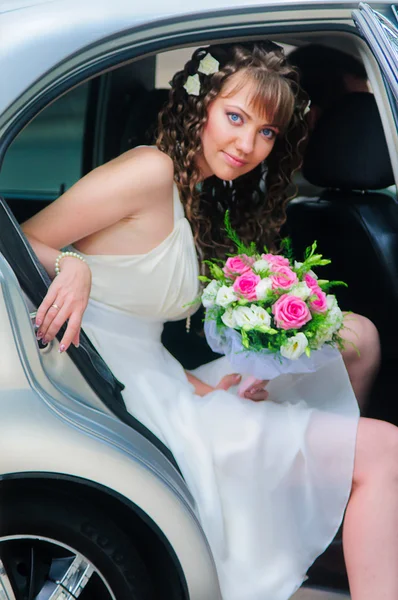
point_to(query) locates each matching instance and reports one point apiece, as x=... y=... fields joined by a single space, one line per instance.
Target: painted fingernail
x=38 y=322
x=39 y=335
x=62 y=348
x=45 y=341
x=76 y=345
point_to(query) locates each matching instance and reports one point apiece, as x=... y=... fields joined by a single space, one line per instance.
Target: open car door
x=381 y=34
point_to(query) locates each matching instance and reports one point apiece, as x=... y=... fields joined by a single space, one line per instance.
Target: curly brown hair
x=256 y=200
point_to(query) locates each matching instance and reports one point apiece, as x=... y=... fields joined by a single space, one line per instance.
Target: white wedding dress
x=271 y=479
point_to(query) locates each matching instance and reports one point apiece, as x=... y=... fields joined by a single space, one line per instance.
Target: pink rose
x=320 y=304
x=245 y=285
x=312 y=283
x=237 y=265
x=275 y=260
x=291 y=312
x=283 y=277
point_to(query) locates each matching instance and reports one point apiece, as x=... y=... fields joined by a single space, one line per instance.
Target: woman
x=271 y=479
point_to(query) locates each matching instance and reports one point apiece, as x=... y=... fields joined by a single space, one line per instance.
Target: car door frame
x=372 y=26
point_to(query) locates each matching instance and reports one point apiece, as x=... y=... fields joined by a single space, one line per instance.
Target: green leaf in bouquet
x=253 y=248
x=245 y=339
x=221 y=261
x=243 y=301
x=317 y=261
x=215 y=270
x=233 y=236
x=287 y=248
x=193 y=302
x=204 y=279
x=308 y=351
x=267 y=330
x=331 y=284
x=310 y=251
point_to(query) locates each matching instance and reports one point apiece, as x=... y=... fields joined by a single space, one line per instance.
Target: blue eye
x=234 y=118
x=268 y=133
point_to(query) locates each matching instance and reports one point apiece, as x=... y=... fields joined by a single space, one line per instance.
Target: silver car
x=92 y=504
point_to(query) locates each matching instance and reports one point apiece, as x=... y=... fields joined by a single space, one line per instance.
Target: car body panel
x=42 y=426
x=50 y=32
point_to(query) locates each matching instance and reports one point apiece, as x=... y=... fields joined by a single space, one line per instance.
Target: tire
x=38 y=533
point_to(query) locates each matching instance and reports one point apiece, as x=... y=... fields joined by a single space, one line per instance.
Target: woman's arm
x=123 y=187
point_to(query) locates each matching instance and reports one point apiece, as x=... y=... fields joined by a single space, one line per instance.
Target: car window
x=46 y=158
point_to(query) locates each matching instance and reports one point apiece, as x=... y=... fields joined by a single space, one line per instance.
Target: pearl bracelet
x=64 y=255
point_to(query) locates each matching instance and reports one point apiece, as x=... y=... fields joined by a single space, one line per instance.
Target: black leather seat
x=141 y=124
x=355 y=220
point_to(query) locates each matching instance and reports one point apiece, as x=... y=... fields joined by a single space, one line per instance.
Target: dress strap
x=177 y=204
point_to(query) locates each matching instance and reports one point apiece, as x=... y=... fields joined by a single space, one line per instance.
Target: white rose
x=192 y=85
x=245 y=317
x=331 y=301
x=300 y=290
x=334 y=317
x=209 y=293
x=228 y=318
x=294 y=347
x=310 y=272
x=208 y=65
x=263 y=318
x=263 y=288
x=323 y=335
x=261 y=266
x=225 y=296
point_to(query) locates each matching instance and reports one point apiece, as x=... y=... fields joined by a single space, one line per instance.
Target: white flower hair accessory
x=192 y=85
x=208 y=65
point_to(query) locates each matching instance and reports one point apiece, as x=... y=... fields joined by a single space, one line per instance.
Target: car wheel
x=60 y=549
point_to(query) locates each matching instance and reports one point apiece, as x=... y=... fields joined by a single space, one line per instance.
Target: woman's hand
x=65 y=301
x=255 y=390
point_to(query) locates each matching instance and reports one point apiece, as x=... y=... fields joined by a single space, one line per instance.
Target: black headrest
x=347 y=149
x=143 y=118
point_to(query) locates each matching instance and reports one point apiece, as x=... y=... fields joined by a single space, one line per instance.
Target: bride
x=273 y=471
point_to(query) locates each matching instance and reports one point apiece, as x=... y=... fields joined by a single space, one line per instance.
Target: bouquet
x=270 y=314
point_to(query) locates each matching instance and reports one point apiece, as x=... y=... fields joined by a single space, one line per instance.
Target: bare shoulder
x=146 y=167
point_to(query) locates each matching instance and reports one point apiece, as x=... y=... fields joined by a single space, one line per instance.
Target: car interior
x=346 y=202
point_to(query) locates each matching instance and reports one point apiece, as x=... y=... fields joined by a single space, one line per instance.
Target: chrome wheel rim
x=41 y=568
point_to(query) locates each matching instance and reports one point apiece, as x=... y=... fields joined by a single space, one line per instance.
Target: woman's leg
x=370 y=534
x=362 y=369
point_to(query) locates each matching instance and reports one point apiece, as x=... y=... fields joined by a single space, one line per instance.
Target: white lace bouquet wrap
x=271 y=315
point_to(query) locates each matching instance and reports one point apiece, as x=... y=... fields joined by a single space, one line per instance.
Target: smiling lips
x=233 y=160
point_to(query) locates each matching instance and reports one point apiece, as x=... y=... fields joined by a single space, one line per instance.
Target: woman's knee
x=362 y=338
x=376 y=454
